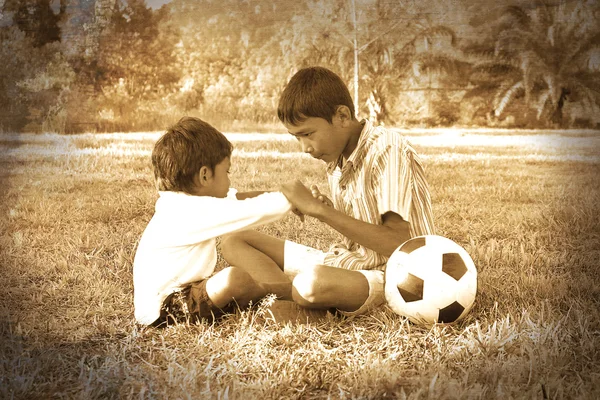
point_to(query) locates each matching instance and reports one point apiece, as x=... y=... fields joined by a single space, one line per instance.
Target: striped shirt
x=382 y=174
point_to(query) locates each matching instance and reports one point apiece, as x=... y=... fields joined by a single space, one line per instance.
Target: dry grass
x=74 y=207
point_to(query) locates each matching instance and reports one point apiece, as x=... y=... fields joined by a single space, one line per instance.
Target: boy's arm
x=250 y=213
x=249 y=195
x=200 y=218
x=400 y=187
x=383 y=239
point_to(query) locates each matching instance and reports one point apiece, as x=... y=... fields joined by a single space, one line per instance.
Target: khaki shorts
x=297 y=257
x=191 y=304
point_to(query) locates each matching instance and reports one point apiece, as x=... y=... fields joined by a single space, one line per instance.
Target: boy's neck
x=199 y=190
x=355 y=130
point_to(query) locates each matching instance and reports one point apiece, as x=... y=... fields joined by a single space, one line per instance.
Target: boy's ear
x=203 y=176
x=344 y=114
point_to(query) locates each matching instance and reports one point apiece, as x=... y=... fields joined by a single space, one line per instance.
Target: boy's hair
x=186 y=147
x=313 y=92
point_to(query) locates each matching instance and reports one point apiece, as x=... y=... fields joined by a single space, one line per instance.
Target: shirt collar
x=357 y=155
x=171 y=193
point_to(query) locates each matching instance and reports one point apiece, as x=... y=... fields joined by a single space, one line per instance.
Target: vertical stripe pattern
x=384 y=173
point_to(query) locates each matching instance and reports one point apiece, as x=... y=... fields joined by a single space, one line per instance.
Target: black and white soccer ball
x=430 y=279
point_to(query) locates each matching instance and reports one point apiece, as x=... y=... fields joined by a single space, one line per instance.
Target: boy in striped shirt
x=379 y=199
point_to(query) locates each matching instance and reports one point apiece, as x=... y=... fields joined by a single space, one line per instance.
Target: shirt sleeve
x=400 y=187
x=195 y=219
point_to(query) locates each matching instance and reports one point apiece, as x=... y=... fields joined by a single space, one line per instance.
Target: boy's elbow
x=398 y=231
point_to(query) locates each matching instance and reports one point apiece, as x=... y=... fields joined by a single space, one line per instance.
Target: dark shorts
x=191 y=304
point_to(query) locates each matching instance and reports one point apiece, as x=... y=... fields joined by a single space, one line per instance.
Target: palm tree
x=545 y=55
x=426 y=66
x=421 y=61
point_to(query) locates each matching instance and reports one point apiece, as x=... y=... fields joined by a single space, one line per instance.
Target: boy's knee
x=231 y=242
x=237 y=281
x=307 y=288
x=324 y=287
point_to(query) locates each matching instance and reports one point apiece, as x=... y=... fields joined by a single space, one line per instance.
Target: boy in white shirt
x=173 y=270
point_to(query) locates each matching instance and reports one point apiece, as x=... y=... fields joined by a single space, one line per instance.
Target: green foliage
x=17 y=65
x=32 y=79
x=128 y=67
x=36 y=18
x=135 y=70
x=542 y=56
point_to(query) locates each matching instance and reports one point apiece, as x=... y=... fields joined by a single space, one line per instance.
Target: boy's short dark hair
x=186 y=147
x=313 y=92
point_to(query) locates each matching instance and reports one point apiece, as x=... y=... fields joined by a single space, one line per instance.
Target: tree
x=50 y=89
x=544 y=56
x=29 y=39
x=381 y=48
x=36 y=18
x=335 y=34
x=19 y=63
x=229 y=57
x=135 y=63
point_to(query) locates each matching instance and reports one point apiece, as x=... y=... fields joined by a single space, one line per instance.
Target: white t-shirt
x=179 y=244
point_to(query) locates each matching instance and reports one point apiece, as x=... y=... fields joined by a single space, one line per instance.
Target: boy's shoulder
x=379 y=138
x=182 y=197
x=182 y=201
x=374 y=143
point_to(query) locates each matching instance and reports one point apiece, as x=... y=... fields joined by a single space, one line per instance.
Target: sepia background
x=115 y=65
x=87 y=87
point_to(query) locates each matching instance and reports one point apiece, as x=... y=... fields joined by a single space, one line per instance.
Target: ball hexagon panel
x=411 y=288
x=454 y=265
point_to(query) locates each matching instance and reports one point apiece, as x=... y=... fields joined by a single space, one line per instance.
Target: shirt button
x=343 y=187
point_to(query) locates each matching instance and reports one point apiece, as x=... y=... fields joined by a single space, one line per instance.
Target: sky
x=156 y=3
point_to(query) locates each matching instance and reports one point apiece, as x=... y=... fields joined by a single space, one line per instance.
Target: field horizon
x=524 y=204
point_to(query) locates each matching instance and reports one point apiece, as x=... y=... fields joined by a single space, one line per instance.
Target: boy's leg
x=261 y=256
x=349 y=291
x=212 y=297
x=233 y=284
x=314 y=286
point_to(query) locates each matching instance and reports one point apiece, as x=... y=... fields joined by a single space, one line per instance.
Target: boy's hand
x=298 y=213
x=319 y=196
x=302 y=198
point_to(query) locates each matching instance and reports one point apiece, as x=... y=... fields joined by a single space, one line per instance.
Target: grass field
x=523 y=204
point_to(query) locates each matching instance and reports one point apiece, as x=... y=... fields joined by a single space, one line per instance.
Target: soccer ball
x=430 y=279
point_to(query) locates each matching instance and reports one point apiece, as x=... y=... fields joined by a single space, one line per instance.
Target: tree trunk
x=356 y=50
x=557 y=115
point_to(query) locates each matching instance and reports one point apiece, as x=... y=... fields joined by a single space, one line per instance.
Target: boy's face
x=319 y=138
x=217 y=182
